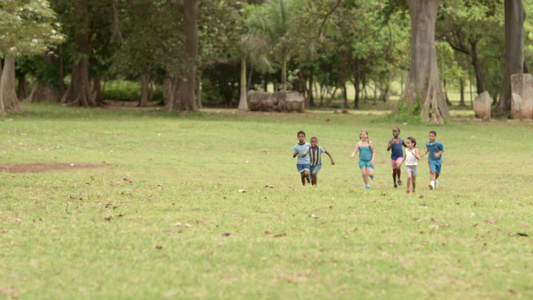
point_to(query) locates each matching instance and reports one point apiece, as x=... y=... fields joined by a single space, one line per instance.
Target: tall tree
x=79 y=90
x=190 y=33
x=423 y=93
x=515 y=16
x=26 y=28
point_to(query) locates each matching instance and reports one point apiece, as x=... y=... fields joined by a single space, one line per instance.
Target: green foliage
x=124 y=90
x=27 y=27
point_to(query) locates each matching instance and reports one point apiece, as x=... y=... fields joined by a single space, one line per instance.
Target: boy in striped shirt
x=315 y=155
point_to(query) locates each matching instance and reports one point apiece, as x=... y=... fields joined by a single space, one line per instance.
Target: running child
x=435 y=149
x=365 y=147
x=396 y=155
x=411 y=162
x=300 y=150
x=315 y=156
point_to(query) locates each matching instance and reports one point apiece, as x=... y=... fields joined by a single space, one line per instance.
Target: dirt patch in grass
x=42 y=167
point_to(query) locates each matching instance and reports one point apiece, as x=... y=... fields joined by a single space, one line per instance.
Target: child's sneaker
x=399 y=182
x=431 y=185
x=408 y=191
x=395 y=186
x=367 y=186
x=372 y=177
x=436 y=183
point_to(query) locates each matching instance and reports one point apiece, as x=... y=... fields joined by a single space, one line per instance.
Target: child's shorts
x=365 y=163
x=315 y=169
x=303 y=167
x=396 y=163
x=414 y=171
x=434 y=166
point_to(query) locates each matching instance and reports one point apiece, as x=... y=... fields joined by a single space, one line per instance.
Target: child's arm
x=305 y=152
x=373 y=152
x=438 y=154
x=355 y=150
x=390 y=145
x=427 y=150
x=416 y=154
x=403 y=143
x=330 y=158
x=295 y=153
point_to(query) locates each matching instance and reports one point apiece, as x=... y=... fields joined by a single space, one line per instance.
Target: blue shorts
x=365 y=163
x=434 y=166
x=303 y=167
x=315 y=169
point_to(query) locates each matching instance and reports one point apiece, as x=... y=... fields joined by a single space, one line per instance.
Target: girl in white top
x=411 y=161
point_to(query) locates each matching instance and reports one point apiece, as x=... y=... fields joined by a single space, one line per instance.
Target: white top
x=410 y=159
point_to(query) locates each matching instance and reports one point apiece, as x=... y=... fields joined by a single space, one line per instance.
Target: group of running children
x=310 y=162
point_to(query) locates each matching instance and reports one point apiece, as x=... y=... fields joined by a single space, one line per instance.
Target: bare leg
x=394 y=176
x=369 y=172
x=365 y=175
x=314 y=179
x=303 y=177
x=409 y=180
x=399 y=173
x=414 y=183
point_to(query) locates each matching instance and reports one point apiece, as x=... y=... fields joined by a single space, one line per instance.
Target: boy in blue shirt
x=435 y=149
x=301 y=149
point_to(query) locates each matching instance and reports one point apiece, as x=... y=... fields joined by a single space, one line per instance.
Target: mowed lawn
x=210 y=205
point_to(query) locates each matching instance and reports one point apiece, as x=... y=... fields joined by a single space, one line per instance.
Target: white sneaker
x=431 y=185
x=436 y=183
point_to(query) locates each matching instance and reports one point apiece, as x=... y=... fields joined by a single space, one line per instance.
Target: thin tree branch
x=327 y=16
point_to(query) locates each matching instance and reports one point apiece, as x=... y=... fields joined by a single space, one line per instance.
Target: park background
x=108 y=191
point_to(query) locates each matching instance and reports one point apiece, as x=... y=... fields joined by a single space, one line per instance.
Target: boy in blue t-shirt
x=301 y=149
x=435 y=149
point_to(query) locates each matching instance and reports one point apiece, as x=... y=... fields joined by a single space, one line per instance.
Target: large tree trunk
x=190 y=34
x=8 y=96
x=143 y=102
x=22 y=89
x=243 y=101
x=515 y=16
x=79 y=90
x=423 y=91
x=480 y=85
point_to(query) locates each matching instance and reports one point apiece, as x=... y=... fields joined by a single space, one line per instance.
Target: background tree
x=26 y=28
x=515 y=16
x=423 y=93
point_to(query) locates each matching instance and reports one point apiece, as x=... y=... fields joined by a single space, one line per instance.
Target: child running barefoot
x=396 y=155
x=435 y=149
x=315 y=155
x=300 y=150
x=365 y=147
x=411 y=161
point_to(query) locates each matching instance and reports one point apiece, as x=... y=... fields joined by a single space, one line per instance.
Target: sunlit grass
x=165 y=218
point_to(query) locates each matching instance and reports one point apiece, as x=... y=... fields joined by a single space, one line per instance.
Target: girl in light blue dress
x=367 y=154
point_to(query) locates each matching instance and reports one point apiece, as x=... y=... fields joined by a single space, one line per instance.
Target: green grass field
x=164 y=217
